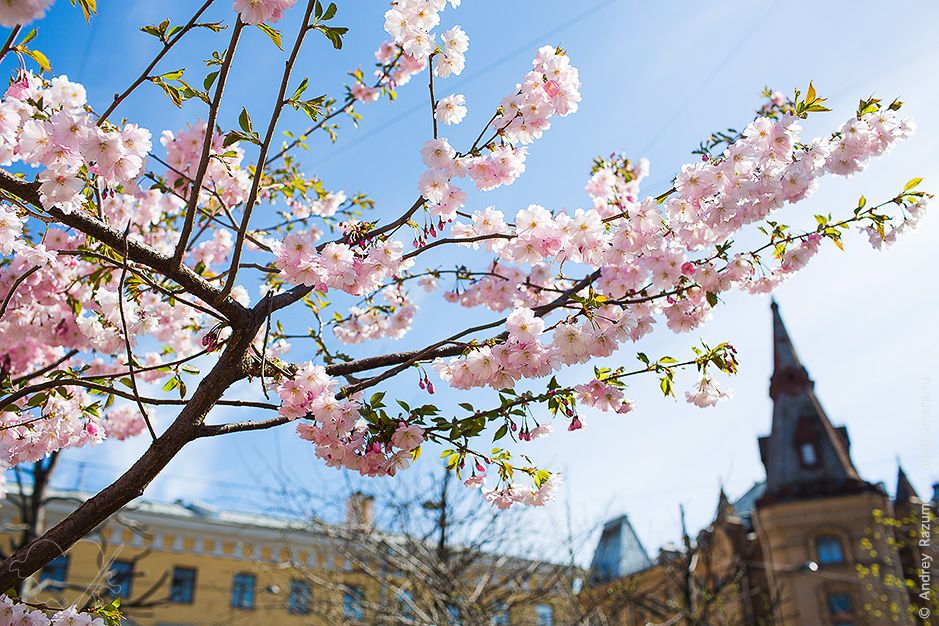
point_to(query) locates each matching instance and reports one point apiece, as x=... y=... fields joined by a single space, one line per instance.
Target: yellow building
x=186 y=564
x=813 y=545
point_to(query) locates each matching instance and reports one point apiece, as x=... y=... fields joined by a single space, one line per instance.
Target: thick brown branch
x=138 y=252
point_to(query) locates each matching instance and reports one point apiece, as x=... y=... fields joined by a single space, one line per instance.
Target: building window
x=352 y=604
x=406 y=604
x=808 y=454
x=500 y=615
x=55 y=572
x=242 y=591
x=544 y=615
x=829 y=550
x=183 y=587
x=299 y=601
x=840 y=604
x=120 y=578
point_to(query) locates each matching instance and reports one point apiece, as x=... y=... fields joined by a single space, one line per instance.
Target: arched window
x=829 y=550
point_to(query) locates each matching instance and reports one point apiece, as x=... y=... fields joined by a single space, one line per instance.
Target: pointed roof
x=725 y=508
x=789 y=375
x=804 y=454
x=905 y=490
x=619 y=552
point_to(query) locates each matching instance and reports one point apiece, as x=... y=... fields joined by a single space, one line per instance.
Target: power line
x=748 y=33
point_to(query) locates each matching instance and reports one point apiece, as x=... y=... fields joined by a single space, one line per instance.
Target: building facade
x=813 y=545
x=186 y=564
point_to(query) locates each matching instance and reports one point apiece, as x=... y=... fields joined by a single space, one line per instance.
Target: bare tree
x=432 y=554
x=715 y=579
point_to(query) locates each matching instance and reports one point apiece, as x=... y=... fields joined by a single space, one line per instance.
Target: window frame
x=191 y=587
x=128 y=574
x=832 y=540
x=838 y=612
x=307 y=597
x=540 y=619
x=238 y=583
x=353 y=599
x=45 y=574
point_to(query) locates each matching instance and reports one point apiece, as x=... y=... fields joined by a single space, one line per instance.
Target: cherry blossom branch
x=441 y=242
x=262 y=153
x=213 y=430
x=8 y=45
x=433 y=100
x=404 y=360
x=16 y=283
x=137 y=251
x=207 y=144
x=145 y=278
x=118 y=98
x=45 y=370
x=129 y=351
x=347 y=103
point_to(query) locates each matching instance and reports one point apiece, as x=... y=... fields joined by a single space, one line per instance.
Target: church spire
x=804 y=454
x=905 y=490
x=789 y=375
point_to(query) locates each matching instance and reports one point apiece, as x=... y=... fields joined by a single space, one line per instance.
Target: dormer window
x=806 y=441
x=808 y=454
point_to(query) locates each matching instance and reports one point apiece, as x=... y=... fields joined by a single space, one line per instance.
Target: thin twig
x=118 y=98
x=207 y=145
x=130 y=354
x=17 y=283
x=262 y=154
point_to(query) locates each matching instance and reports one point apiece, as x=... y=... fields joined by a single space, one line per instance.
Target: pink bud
x=688 y=268
x=552 y=88
x=480 y=467
x=576 y=424
x=430 y=387
x=92 y=428
x=421 y=384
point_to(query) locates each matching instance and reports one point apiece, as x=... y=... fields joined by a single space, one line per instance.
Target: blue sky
x=657 y=78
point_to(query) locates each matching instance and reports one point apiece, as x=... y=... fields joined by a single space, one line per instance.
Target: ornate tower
x=814 y=519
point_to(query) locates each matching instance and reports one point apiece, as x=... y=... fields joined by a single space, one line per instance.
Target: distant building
x=188 y=564
x=813 y=545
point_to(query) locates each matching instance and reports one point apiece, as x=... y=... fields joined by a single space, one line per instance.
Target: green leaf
x=502 y=432
x=88 y=7
x=36 y=400
x=330 y=12
x=273 y=33
x=334 y=34
x=912 y=184
x=244 y=120
x=29 y=37
x=299 y=92
x=209 y=80
x=39 y=58
x=174 y=75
